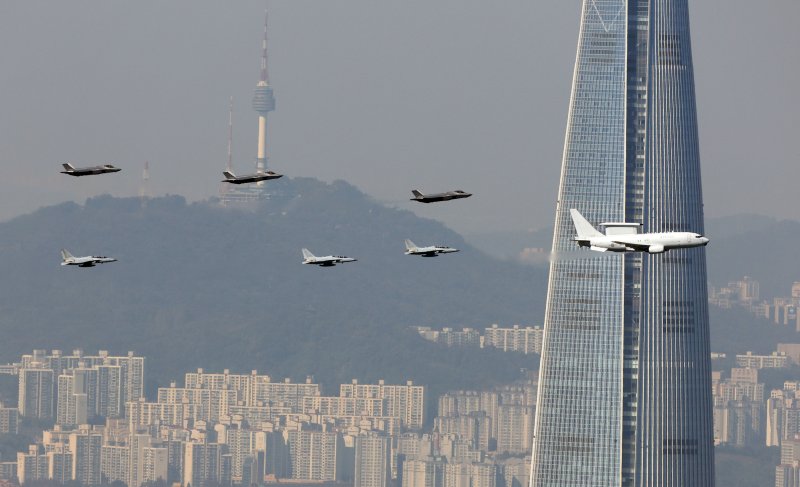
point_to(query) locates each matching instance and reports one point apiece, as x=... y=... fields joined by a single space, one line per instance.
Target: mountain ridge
x=197 y=285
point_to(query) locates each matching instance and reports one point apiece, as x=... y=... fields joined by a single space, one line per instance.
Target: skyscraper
x=624 y=387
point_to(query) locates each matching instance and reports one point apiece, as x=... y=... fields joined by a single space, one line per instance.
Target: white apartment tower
x=36 y=393
x=373 y=461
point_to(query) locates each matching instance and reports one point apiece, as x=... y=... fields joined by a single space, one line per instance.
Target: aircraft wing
x=633 y=245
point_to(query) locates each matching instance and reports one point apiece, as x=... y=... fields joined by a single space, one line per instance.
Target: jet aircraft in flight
x=88 y=171
x=430 y=251
x=622 y=237
x=431 y=198
x=88 y=261
x=249 y=178
x=327 y=261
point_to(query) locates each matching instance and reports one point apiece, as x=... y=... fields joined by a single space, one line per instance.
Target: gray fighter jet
x=88 y=171
x=431 y=198
x=249 y=178
x=88 y=261
x=327 y=261
x=429 y=251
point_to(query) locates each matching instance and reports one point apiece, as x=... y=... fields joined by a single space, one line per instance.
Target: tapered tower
x=263 y=103
x=624 y=387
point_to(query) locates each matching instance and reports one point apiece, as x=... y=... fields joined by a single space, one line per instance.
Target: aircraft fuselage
x=89 y=171
x=433 y=198
x=252 y=178
x=653 y=243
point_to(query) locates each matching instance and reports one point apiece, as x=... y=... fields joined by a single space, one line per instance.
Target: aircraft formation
x=230 y=177
x=618 y=236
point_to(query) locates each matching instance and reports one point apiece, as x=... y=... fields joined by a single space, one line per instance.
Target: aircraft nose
x=704 y=240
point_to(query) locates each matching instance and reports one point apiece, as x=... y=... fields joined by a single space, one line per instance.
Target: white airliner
x=327 y=261
x=430 y=251
x=88 y=261
x=622 y=237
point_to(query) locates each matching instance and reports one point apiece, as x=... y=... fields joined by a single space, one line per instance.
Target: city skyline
x=632 y=327
x=223 y=428
x=364 y=111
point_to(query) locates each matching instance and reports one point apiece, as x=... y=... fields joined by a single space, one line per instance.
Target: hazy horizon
x=388 y=97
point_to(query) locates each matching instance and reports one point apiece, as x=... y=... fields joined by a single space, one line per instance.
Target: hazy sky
x=435 y=95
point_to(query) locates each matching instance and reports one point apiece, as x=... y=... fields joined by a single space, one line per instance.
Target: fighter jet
x=431 y=251
x=88 y=261
x=249 y=178
x=88 y=171
x=431 y=198
x=327 y=261
x=623 y=237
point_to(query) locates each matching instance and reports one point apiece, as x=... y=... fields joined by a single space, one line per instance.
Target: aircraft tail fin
x=229 y=175
x=584 y=228
x=68 y=167
x=307 y=254
x=417 y=193
x=410 y=245
x=65 y=255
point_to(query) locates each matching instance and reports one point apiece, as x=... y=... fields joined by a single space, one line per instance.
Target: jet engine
x=655 y=249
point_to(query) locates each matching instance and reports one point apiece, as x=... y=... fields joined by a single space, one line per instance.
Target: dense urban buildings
x=516 y=338
x=746 y=293
x=225 y=429
x=625 y=379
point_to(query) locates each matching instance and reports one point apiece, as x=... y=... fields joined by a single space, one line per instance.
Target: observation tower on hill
x=263 y=103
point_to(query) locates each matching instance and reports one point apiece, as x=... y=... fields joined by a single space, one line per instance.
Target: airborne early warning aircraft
x=327 y=261
x=88 y=171
x=430 y=251
x=88 y=261
x=622 y=237
x=249 y=178
x=432 y=198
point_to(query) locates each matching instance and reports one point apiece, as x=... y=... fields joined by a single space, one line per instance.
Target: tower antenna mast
x=230 y=135
x=264 y=72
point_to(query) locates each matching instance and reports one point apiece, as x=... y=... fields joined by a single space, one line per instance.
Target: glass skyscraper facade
x=625 y=382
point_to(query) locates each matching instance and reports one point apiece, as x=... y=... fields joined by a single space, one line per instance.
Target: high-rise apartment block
x=203 y=464
x=32 y=466
x=313 y=455
x=36 y=393
x=402 y=401
x=625 y=377
x=372 y=461
x=514 y=428
x=9 y=420
x=84 y=446
x=514 y=339
x=423 y=473
x=93 y=385
x=750 y=360
x=114 y=463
